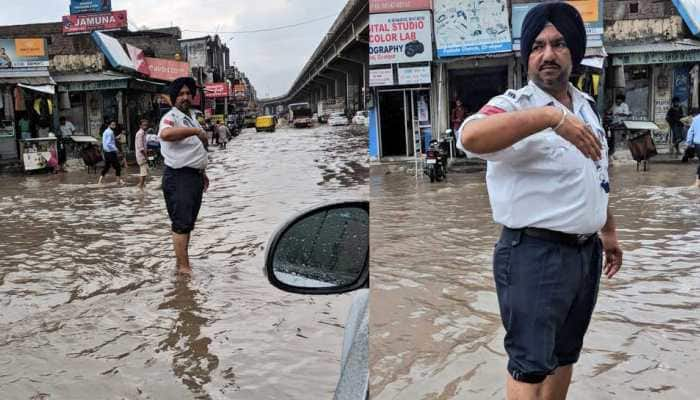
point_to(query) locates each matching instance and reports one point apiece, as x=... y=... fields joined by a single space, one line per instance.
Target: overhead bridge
x=338 y=69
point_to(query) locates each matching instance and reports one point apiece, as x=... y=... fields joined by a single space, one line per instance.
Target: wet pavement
x=435 y=328
x=90 y=303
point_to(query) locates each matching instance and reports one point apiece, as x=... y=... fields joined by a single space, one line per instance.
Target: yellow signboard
x=30 y=48
x=588 y=9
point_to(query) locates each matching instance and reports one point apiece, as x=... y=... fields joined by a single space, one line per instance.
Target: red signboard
x=214 y=90
x=166 y=70
x=390 y=6
x=85 y=23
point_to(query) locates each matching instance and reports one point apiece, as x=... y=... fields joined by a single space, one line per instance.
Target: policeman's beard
x=184 y=106
x=552 y=86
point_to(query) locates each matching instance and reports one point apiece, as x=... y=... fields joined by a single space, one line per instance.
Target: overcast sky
x=272 y=60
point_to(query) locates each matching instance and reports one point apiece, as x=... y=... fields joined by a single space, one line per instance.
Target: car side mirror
x=322 y=251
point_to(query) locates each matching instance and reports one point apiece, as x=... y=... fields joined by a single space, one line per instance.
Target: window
x=634 y=8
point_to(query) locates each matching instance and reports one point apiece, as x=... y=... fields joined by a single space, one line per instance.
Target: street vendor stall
x=640 y=140
x=36 y=153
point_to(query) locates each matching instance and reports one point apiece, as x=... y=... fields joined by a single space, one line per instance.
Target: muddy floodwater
x=91 y=308
x=435 y=328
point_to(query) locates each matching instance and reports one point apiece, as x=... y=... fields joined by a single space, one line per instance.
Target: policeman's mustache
x=549 y=64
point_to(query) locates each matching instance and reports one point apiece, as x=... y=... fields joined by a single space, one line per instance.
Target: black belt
x=570 y=239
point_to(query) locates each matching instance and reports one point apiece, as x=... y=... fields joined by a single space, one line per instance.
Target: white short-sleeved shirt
x=544 y=181
x=188 y=152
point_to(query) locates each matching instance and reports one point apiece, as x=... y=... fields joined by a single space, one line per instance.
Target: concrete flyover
x=338 y=68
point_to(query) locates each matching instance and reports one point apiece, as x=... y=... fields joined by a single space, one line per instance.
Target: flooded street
x=90 y=303
x=436 y=332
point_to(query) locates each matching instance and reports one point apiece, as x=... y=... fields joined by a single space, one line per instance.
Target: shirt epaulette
x=515 y=95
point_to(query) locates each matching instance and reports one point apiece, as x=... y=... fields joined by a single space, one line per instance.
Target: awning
x=47 y=89
x=27 y=77
x=82 y=82
x=690 y=11
x=679 y=51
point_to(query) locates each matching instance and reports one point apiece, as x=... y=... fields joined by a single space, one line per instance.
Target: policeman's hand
x=613 y=253
x=206 y=182
x=202 y=134
x=580 y=135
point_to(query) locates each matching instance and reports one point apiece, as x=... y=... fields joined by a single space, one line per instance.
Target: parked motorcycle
x=436 y=161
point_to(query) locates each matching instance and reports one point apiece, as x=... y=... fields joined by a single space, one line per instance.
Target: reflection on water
x=436 y=331
x=88 y=299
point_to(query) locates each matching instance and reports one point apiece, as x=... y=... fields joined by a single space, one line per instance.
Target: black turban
x=565 y=18
x=177 y=85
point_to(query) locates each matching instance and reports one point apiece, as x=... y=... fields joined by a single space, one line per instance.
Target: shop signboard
x=591 y=12
x=157 y=68
x=90 y=6
x=215 y=90
x=414 y=75
x=400 y=38
x=86 y=23
x=681 y=83
x=469 y=27
x=23 y=53
x=391 y=6
x=670 y=57
x=381 y=77
x=690 y=11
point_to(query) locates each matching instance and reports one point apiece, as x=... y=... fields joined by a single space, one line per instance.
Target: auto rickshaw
x=265 y=123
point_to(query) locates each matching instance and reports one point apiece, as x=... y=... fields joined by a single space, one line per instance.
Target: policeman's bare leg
x=516 y=390
x=556 y=386
x=181 y=242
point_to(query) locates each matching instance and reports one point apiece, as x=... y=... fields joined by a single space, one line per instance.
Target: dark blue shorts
x=546 y=294
x=183 y=189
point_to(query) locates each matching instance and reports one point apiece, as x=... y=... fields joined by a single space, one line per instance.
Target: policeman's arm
x=175 y=134
x=502 y=130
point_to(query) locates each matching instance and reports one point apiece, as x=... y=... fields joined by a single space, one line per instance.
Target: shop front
x=651 y=75
x=404 y=120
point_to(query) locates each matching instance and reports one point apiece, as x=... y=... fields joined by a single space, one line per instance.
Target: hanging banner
x=591 y=12
x=381 y=77
x=468 y=27
x=85 y=23
x=90 y=6
x=23 y=53
x=681 y=84
x=391 y=6
x=414 y=75
x=400 y=37
x=215 y=90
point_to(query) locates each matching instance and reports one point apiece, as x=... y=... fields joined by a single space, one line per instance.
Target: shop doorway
x=393 y=123
x=404 y=121
x=476 y=87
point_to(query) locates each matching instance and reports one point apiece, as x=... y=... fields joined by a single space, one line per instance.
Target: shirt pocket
x=552 y=154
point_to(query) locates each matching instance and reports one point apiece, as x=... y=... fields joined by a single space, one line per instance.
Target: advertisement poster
x=681 y=84
x=414 y=75
x=390 y=6
x=85 y=23
x=401 y=37
x=468 y=27
x=591 y=12
x=23 y=53
x=90 y=6
x=381 y=77
x=215 y=90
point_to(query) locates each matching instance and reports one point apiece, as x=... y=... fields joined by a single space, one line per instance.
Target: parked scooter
x=436 y=161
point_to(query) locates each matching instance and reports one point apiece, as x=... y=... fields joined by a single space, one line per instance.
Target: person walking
x=547 y=179
x=693 y=141
x=673 y=117
x=141 y=154
x=223 y=134
x=184 y=176
x=109 y=150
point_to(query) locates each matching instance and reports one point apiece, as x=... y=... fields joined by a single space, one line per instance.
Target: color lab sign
x=401 y=37
x=84 y=23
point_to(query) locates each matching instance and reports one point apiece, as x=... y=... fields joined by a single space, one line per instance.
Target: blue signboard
x=681 y=83
x=90 y=6
x=690 y=11
x=114 y=51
